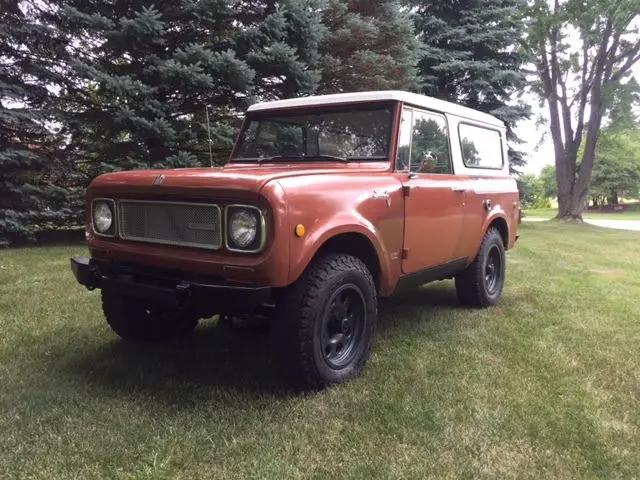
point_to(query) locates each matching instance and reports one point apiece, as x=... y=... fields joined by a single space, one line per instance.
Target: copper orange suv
x=326 y=204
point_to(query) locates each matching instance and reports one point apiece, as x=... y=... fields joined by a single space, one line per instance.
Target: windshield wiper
x=328 y=157
x=302 y=157
x=280 y=157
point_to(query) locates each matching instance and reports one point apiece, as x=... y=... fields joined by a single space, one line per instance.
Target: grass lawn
x=546 y=385
x=631 y=213
x=540 y=212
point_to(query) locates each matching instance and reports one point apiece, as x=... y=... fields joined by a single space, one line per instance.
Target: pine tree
x=279 y=41
x=29 y=151
x=144 y=76
x=148 y=72
x=368 y=45
x=471 y=57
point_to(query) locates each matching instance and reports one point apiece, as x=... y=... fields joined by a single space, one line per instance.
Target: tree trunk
x=569 y=205
x=570 y=209
x=578 y=179
x=565 y=172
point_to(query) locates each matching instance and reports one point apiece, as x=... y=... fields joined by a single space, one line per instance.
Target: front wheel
x=481 y=283
x=139 y=321
x=325 y=328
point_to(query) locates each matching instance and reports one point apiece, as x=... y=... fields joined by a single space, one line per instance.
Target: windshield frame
x=391 y=105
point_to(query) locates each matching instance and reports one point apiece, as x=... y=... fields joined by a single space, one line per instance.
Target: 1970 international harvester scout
x=326 y=204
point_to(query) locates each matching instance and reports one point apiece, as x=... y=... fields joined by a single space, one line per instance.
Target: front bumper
x=169 y=288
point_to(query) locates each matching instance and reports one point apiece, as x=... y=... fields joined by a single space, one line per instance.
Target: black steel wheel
x=493 y=270
x=481 y=283
x=324 y=325
x=342 y=326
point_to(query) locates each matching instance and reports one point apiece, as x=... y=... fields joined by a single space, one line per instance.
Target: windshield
x=337 y=134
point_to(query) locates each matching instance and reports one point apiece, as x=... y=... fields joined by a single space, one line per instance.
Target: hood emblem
x=159 y=180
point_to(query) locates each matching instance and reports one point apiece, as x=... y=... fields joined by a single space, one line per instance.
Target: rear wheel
x=136 y=320
x=325 y=328
x=481 y=283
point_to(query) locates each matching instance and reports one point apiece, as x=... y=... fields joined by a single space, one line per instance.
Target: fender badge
x=158 y=180
x=384 y=194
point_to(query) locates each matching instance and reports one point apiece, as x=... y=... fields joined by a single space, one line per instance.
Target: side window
x=404 y=141
x=430 y=144
x=481 y=147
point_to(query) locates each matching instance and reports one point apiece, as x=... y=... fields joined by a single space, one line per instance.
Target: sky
x=527 y=130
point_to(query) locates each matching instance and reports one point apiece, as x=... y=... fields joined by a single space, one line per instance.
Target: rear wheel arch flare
x=501 y=225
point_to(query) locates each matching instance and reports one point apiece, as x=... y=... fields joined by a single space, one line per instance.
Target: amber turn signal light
x=300 y=230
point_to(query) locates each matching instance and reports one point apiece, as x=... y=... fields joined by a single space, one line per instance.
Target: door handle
x=458 y=189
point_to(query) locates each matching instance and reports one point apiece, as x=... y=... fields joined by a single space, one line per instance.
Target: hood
x=232 y=177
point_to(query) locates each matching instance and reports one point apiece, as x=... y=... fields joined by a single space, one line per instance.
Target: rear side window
x=481 y=147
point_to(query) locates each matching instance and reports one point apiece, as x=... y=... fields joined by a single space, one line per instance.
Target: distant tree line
x=90 y=86
x=616 y=170
x=583 y=50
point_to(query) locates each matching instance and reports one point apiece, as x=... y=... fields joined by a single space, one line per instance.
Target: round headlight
x=243 y=227
x=102 y=217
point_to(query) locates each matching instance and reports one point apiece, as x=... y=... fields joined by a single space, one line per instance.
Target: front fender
x=370 y=205
x=304 y=249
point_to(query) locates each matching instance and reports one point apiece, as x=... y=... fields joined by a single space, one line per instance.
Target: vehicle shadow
x=407 y=313
x=216 y=359
x=182 y=371
x=405 y=305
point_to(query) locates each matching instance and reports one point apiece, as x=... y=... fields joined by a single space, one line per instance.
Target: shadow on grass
x=213 y=358
x=436 y=296
x=186 y=370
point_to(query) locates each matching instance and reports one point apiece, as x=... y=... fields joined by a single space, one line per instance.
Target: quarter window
x=481 y=147
x=404 y=141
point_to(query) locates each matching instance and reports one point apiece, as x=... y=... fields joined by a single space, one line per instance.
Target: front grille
x=173 y=223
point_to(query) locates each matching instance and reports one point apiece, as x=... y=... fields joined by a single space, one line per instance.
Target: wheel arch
x=358 y=245
x=352 y=241
x=499 y=223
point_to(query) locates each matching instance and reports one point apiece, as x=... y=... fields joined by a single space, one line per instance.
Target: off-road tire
x=136 y=321
x=472 y=285
x=303 y=310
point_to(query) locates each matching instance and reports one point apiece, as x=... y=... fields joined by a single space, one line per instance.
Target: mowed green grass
x=540 y=212
x=631 y=213
x=546 y=385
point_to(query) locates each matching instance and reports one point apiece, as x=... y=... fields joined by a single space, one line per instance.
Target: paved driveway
x=617 y=224
x=535 y=219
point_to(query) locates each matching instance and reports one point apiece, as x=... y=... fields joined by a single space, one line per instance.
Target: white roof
x=393 y=95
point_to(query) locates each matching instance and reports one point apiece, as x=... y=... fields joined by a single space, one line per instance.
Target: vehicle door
x=434 y=196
